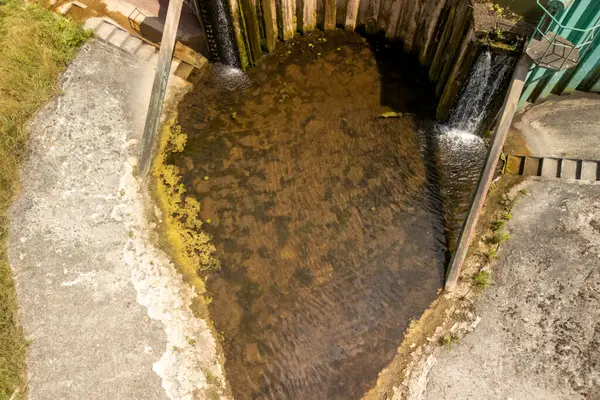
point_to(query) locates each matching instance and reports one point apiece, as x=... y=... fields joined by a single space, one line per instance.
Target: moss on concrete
x=192 y=247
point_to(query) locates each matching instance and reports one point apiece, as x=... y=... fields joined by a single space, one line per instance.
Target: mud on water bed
x=322 y=214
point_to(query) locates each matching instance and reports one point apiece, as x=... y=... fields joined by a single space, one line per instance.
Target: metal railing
x=549 y=22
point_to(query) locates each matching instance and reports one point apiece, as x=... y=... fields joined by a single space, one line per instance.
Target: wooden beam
x=159 y=87
x=487 y=175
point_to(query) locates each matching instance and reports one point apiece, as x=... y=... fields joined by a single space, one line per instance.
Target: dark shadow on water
x=406 y=88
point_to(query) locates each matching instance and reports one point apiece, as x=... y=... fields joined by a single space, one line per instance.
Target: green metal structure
x=565 y=50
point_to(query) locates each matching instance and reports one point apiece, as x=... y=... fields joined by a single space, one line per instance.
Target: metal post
x=485 y=179
x=159 y=87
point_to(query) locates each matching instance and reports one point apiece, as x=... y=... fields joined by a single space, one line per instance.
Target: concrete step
x=132 y=44
x=104 y=30
x=553 y=167
x=115 y=35
x=118 y=37
x=146 y=52
x=550 y=167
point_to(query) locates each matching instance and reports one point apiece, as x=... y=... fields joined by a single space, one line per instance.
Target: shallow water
x=327 y=220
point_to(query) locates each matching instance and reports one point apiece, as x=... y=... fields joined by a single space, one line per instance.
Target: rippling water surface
x=327 y=220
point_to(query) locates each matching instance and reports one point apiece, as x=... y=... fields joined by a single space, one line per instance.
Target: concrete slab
x=532 y=166
x=146 y=52
x=104 y=30
x=132 y=44
x=118 y=37
x=538 y=334
x=550 y=167
x=107 y=313
x=589 y=170
x=569 y=169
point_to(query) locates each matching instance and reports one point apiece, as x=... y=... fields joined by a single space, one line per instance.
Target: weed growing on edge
x=35 y=47
x=499 y=237
x=449 y=339
x=481 y=279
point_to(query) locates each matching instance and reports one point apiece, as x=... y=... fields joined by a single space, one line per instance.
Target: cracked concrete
x=107 y=314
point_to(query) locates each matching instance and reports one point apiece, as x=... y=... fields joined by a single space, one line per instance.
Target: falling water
x=484 y=83
x=461 y=148
x=224 y=35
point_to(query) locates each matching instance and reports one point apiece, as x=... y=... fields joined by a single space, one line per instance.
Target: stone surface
x=107 y=314
x=539 y=333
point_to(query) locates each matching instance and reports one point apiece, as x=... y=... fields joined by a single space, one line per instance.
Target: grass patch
x=35 y=46
x=449 y=339
x=481 y=279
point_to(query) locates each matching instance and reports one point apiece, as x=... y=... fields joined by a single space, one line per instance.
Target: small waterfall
x=227 y=51
x=486 y=79
x=461 y=148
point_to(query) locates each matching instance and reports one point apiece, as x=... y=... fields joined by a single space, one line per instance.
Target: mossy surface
x=192 y=246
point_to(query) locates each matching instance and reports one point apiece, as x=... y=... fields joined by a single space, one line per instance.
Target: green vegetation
x=193 y=247
x=392 y=114
x=449 y=339
x=481 y=279
x=35 y=46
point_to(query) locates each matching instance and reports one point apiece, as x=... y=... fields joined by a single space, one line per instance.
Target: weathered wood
x=487 y=175
x=437 y=64
x=270 y=21
x=240 y=41
x=159 y=86
x=458 y=76
x=248 y=8
x=289 y=21
x=395 y=17
x=460 y=30
x=320 y=14
x=351 y=14
x=429 y=29
x=340 y=18
x=330 y=15
x=309 y=15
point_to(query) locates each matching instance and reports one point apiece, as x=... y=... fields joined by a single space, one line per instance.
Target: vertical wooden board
x=410 y=24
x=288 y=18
x=320 y=22
x=457 y=77
x=340 y=18
x=309 y=15
x=236 y=23
x=437 y=64
x=248 y=8
x=329 y=21
x=461 y=26
x=385 y=13
x=351 y=15
x=438 y=32
x=270 y=21
x=373 y=15
x=434 y=11
x=363 y=10
x=403 y=23
x=395 y=17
